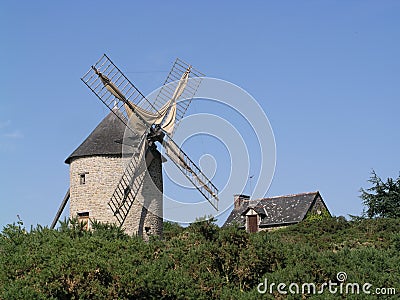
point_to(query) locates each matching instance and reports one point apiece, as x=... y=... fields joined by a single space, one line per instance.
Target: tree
x=382 y=199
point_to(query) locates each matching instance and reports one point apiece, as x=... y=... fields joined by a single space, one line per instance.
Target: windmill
x=148 y=122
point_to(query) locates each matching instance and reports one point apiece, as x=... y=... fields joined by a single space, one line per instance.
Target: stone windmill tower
x=126 y=187
x=96 y=167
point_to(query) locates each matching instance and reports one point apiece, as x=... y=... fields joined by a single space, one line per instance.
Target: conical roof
x=102 y=140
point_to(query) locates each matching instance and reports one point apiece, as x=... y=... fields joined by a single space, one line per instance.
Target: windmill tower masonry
x=96 y=167
x=110 y=183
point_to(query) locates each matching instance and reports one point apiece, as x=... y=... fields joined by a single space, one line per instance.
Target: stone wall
x=102 y=174
x=319 y=207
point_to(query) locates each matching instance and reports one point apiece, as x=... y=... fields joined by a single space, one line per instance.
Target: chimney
x=238 y=200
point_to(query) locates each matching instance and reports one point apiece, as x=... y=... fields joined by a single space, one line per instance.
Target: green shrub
x=201 y=261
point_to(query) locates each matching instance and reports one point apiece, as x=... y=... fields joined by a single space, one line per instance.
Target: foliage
x=315 y=216
x=383 y=198
x=171 y=229
x=201 y=261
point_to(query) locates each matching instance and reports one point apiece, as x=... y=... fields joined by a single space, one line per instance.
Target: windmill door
x=252 y=225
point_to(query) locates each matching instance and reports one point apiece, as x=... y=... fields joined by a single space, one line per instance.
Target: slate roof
x=102 y=140
x=235 y=216
x=275 y=211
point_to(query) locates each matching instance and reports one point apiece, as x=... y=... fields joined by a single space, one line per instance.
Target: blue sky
x=326 y=74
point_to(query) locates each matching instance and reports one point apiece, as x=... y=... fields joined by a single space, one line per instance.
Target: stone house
x=275 y=212
x=96 y=167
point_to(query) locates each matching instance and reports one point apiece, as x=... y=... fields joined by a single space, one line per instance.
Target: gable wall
x=319 y=206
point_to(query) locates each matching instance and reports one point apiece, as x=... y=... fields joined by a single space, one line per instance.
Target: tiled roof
x=275 y=211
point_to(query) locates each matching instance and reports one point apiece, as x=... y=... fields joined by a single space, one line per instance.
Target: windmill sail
x=129 y=185
x=114 y=89
x=191 y=172
x=109 y=85
x=165 y=115
x=170 y=119
x=181 y=85
x=140 y=119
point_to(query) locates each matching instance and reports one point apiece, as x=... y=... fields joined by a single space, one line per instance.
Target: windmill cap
x=102 y=140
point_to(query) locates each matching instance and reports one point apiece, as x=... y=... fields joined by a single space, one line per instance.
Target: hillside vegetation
x=201 y=261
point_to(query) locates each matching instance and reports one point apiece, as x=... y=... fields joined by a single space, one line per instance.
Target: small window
x=83 y=217
x=83 y=214
x=82 y=178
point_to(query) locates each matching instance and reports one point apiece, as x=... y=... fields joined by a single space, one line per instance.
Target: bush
x=201 y=261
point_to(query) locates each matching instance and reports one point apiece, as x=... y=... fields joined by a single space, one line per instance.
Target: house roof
x=102 y=140
x=275 y=211
x=236 y=217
